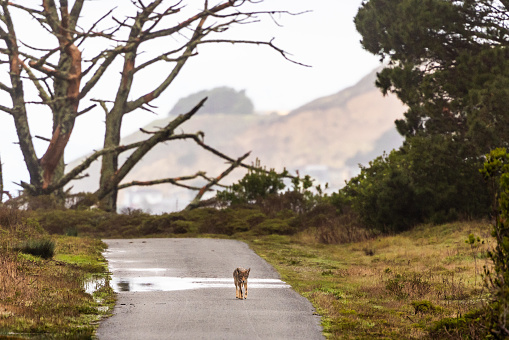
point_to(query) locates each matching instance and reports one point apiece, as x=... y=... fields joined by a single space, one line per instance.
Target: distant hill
x=338 y=100
x=325 y=138
x=220 y=100
x=330 y=131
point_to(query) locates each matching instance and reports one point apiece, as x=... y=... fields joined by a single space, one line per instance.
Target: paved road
x=183 y=289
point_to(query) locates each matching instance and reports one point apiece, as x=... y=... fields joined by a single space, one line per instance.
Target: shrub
x=183 y=227
x=11 y=216
x=61 y=221
x=425 y=307
x=293 y=201
x=469 y=326
x=403 y=286
x=332 y=224
x=274 y=226
x=72 y=231
x=430 y=179
x=496 y=171
x=256 y=185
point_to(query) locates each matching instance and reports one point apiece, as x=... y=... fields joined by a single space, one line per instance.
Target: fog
x=323 y=37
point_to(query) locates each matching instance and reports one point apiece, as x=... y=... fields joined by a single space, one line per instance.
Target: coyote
x=240 y=277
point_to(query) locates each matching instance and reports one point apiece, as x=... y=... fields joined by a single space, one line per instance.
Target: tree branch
x=102 y=103
x=42 y=93
x=145 y=146
x=75 y=14
x=110 y=57
x=251 y=42
x=174 y=181
x=164 y=57
x=147 y=98
x=51 y=14
x=5 y=88
x=6 y=109
x=204 y=189
x=86 y=110
x=200 y=16
x=74 y=173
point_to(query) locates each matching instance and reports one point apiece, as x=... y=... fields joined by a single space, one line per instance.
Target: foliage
x=471 y=325
x=425 y=307
x=496 y=170
x=328 y=226
x=451 y=123
x=265 y=188
x=221 y=100
x=427 y=180
x=428 y=43
x=285 y=214
x=256 y=185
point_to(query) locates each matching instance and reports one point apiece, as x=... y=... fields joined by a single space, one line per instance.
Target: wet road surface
x=183 y=289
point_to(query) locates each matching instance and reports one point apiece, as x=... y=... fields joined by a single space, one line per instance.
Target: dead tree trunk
x=162 y=135
x=64 y=78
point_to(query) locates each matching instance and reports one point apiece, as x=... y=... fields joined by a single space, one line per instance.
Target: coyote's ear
x=248 y=270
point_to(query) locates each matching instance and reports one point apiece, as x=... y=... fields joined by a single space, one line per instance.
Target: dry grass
x=389 y=287
x=46 y=297
x=39 y=296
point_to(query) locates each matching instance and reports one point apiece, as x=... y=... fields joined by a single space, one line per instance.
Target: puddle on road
x=166 y=284
x=93 y=284
x=158 y=279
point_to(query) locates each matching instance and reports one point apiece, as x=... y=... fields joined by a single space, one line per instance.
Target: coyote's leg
x=245 y=290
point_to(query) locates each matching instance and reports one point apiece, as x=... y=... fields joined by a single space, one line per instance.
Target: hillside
x=329 y=131
x=325 y=138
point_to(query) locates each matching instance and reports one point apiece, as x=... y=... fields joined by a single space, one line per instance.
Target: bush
x=255 y=186
x=404 y=286
x=62 y=221
x=293 y=201
x=496 y=171
x=44 y=248
x=425 y=307
x=274 y=226
x=469 y=326
x=332 y=224
x=430 y=179
x=10 y=216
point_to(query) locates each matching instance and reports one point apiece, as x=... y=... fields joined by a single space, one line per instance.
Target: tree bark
x=16 y=92
x=66 y=87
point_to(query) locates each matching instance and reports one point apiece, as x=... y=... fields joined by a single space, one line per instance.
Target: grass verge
x=46 y=298
x=396 y=287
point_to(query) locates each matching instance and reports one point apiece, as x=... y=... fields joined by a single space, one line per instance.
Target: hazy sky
x=324 y=38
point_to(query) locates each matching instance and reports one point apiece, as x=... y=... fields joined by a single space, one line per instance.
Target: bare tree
x=64 y=80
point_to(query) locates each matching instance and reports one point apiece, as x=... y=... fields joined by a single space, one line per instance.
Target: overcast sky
x=324 y=38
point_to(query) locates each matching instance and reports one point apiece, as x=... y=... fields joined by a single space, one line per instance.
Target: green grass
x=387 y=287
